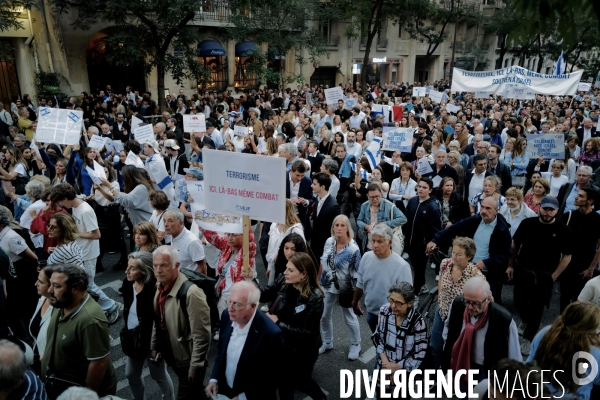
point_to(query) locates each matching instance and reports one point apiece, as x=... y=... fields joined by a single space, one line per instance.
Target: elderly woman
x=454 y=272
x=515 y=211
x=540 y=189
x=297 y=307
x=491 y=188
x=400 y=338
x=339 y=265
x=555 y=178
x=590 y=151
x=377 y=210
x=34 y=190
x=404 y=187
x=139 y=288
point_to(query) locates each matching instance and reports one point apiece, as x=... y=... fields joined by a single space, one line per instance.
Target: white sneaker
x=354 y=352
x=525 y=347
x=325 y=347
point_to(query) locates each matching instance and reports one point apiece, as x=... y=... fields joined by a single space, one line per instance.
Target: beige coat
x=190 y=342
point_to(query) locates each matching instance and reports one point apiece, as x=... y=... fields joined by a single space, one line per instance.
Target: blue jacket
x=383 y=215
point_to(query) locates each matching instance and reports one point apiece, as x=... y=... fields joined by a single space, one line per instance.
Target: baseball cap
x=172 y=143
x=197 y=172
x=549 y=202
x=154 y=145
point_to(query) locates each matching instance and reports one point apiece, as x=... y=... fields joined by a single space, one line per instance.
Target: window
x=506 y=63
x=325 y=29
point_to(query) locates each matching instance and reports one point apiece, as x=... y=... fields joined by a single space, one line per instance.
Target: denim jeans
x=158 y=372
x=104 y=301
x=436 y=341
x=327 y=320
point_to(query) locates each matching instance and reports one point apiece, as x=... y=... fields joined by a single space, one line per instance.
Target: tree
x=149 y=30
x=284 y=26
x=502 y=23
x=9 y=20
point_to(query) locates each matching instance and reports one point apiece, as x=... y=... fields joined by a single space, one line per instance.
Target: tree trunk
x=501 y=53
x=160 y=86
x=540 y=63
x=371 y=32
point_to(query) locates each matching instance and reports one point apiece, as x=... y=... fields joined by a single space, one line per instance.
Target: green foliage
x=470 y=50
x=284 y=26
x=9 y=15
x=47 y=85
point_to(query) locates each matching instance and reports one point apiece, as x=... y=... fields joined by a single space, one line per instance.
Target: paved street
x=327 y=369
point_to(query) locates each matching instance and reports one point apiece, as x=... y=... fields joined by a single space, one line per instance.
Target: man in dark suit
x=314 y=157
x=120 y=128
x=498 y=168
x=172 y=127
x=298 y=190
x=587 y=130
x=324 y=209
x=255 y=345
x=476 y=176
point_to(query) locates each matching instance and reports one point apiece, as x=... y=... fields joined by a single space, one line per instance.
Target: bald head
x=160 y=127
x=478 y=129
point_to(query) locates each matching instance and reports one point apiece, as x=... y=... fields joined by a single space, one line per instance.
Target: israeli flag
x=373 y=152
x=559 y=68
x=363 y=172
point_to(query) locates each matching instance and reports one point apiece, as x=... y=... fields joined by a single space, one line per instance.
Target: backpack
x=207 y=285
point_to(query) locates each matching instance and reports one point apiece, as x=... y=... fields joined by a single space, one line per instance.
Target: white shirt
x=159 y=223
x=320 y=204
x=26 y=219
x=237 y=341
x=86 y=221
x=294 y=190
x=476 y=185
x=132 y=318
x=190 y=249
x=355 y=149
x=587 y=134
x=12 y=243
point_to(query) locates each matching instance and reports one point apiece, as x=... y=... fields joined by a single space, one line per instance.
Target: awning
x=210 y=47
x=245 y=49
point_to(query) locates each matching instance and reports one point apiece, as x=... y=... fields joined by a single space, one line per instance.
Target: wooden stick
x=246 y=246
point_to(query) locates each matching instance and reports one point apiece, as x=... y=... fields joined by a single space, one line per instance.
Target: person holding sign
x=77 y=175
x=135 y=199
x=155 y=165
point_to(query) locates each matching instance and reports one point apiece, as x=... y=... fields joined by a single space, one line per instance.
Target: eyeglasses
x=234 y=305
x=396 y=302
x=374 y=197
x=476 y=304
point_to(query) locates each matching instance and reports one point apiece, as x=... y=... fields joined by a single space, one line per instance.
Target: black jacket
x=563 y=195
x=502 y=172
x=300 y=321
x=423 y=221
x=500 y=241
x=180 y=164
x=144 y=308
x=459 y=208
x=117 y=134
x=321 y=228
x=315 y=163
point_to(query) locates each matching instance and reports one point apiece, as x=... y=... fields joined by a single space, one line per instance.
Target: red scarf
x=461 y=351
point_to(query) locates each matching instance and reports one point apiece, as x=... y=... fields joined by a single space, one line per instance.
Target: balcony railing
x=215 y=10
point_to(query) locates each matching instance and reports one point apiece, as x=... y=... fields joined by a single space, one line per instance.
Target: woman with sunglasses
x=63 y=230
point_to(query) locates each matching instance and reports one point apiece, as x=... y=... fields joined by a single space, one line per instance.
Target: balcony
x=217 y=11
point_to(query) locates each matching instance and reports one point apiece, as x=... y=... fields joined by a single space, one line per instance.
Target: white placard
x=332 y=95
x=131 y=159
x=208 y=220
x=181 y=190
x=116 y=145
x=419 y=91
x=499 y=80
x=97 y=142
x=234 y=188
x=428 y=89
x=436 y=96
x=397 y=139
x=194 y=123
x=451 y=108
x=56 y=125
x=93 y=176
x=549 y=145
x=239 y=130
x=144 y=133
x=99 y=169
x=423 y=167
x=135 y=122
x=481 y=94
x=34 y=147
x=436 y=180
x=584 y=87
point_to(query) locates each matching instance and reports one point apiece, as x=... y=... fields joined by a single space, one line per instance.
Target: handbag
x=131 y=341
x=397 y=236
x=54 y=384
x=345 y=296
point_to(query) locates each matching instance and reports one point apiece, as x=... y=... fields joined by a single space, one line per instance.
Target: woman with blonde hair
x=272 y=147
x=491 y=188
x=277 y=233
x=16 y=169
x=557 y=347
x=518 y=161
x=63 y=230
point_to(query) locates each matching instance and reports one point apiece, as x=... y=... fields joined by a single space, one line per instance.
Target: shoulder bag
x=345 y=296
x=397 y=236
x=131 y=341
x=54 y=383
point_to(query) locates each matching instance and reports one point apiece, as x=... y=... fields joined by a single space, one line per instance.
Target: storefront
x=245 y=79
x=213 y=57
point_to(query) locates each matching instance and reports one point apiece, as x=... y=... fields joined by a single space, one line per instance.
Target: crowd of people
x=360 y=231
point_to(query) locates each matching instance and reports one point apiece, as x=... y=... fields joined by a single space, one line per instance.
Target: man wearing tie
x=249 y=350
x=325 y=209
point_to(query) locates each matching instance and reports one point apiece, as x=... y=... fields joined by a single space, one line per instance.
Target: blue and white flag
x=373 y=152
x=363 y=173
x=559 y=68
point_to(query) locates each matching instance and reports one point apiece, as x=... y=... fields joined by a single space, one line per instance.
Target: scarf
x=461 y=351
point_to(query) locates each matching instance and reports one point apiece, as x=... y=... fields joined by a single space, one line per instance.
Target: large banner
x=550 y=145
x=244 y=184
x=60 y=126
x=505 y=79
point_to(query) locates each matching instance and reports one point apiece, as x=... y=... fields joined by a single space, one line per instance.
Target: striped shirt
x=69 y=253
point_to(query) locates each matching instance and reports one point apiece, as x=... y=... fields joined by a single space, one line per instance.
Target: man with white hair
x=188 y=245
x=587 y=130
x=289 y=151
x=182 y=332
x=250 y=349
x=16 y=380
x=478 y=324
x=378 y=270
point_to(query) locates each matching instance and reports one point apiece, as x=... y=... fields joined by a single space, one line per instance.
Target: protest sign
x=115 y=145
x=97 y=142
x=194 y=123
x=56 y=125
x=332 y=95
x=132 y=159
x=584 y=87
x=436 y=96
x=349 y=103
x=423 y=167
x=208 y=220
x=451 y=108
x=550 y=145
x=240 y=130
x=181 y=191
x=34 y=147
x=498 y=80
x=234 y=189
x=428 y=89
x=481 y=94
x=397 y=139
x=93 y=176
x=419 y=91
x=144 y=133
x=135 y=122
x=519 y=93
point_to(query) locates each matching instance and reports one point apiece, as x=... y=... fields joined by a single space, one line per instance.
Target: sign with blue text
x=550 y=145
